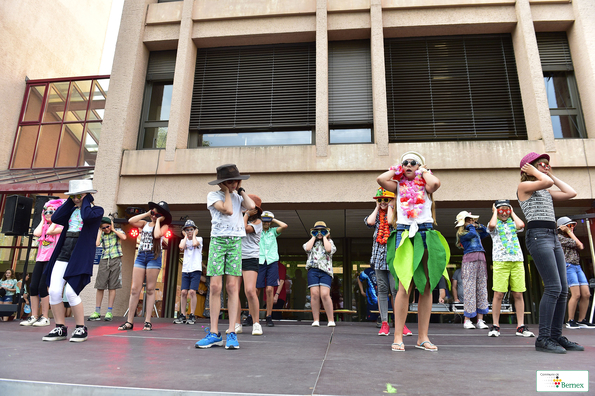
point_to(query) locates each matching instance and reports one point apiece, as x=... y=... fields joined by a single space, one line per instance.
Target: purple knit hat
x=527 y=159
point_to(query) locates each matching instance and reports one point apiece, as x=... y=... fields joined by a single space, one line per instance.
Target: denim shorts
x=575 y=275
x=146 y=260
x=422 y=230
x=191 y=280
x=317 y=277
x=7 y=298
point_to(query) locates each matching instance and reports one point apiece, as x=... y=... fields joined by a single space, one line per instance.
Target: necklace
x=510 y=246
x=383 y=230
x=412 y=192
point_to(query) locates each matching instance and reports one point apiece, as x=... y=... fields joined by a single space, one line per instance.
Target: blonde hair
x=460 y=232
x=526 y=177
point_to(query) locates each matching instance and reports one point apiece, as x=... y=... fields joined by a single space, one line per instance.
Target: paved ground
x=292 y=358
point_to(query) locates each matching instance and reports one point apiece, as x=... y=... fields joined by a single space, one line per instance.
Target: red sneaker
x=406 y=331
x=384 y=330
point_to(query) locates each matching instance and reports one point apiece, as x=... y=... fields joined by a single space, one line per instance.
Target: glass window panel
x=25 y=146
x=256 y=139
x=78 y=100
x=155 y=137
x=558 y=92
x=34 y=101
x=54 y=109
x=363 y=135
x=160 y=102
x=70 y=145
x=565 y=126
x=97 y=108
x=47 y=146
x=91 y=144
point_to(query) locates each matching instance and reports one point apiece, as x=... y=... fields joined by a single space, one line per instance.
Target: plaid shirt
x=378 y=259
x=111 y=245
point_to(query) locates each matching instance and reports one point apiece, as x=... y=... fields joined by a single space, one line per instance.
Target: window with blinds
x=253 y=89
x=157 y=100
x=453 y=88
x=560 y=83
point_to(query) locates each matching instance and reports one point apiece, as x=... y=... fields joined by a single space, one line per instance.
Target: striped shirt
x=539 y=207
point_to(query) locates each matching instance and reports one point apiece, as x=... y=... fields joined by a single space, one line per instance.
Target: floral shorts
x=225 y=256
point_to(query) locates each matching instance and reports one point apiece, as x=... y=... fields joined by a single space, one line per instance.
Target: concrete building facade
x=323 y=177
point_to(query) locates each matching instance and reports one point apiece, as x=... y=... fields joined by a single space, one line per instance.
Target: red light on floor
x=133 y=232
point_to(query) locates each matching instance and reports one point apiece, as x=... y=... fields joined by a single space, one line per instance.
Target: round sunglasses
x=412 y=162
x=323 y=232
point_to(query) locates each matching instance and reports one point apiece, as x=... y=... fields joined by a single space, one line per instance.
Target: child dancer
x=507 y=258
x=474 y=268
x=537 y=204
x=71 y=265
x=191 y=245
x=421 y=252
x=47 y=233
x=225 y=251
x=320 y=249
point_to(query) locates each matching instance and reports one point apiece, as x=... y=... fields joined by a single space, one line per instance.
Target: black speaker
x=40 y=200
x=17 y=214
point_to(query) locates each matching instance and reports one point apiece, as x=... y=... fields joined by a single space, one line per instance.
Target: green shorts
x=509 y=270
x=225 y=256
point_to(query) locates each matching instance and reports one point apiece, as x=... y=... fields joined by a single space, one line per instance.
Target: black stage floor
x=291 y=358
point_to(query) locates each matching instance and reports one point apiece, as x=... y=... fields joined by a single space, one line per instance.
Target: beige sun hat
x=460 y=221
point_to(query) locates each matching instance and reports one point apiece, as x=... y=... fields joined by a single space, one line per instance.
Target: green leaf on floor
x=390 y=389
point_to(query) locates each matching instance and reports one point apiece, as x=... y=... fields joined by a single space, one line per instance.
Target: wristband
x=240 y=190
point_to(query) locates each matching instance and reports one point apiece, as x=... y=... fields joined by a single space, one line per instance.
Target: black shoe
x=585 y=324
x=248 y=321
x=181 y=319
x=546 y=344
x=79 y=334
x=57 y=334
x=270 y=321
x=191 y=319
x=569 y=345
x=378 y=322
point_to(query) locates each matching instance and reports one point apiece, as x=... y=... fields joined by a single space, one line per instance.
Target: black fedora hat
x=162 y=208
x=228 y=172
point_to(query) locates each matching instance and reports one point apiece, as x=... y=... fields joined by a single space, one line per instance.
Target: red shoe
x=384 y=330
x=406 y=331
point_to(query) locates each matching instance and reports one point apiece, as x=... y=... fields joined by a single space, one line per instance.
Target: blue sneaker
x=232 y=341
x=210 y=340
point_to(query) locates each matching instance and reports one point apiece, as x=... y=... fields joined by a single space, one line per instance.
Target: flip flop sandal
x=126 y=326
x=148 y=326
x=423 y=346
x=396 y=347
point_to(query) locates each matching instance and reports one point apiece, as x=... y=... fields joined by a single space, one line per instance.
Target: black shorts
x=250 y=264
x=67 y=248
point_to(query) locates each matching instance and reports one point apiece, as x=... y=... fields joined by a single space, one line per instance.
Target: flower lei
x=511 y=248
x=412 y=192
x=383 y=230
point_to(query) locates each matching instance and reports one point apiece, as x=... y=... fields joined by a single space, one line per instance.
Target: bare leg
x=152 y=275
x=183 y=301
x=232 y=285
x=270 y=290
x=98 y=297
x=251 y=293
x=215 y=302
x=575 y=295
x=400 y=308
x=192 y=301
x=519 y=306
x=35 y=306
x=496 y=307
x=583 y=304
x=424 y=311
x=79 y=314
x=327 y=302
x=111 y=298
x=315 y=302
x=58 y=311
x=138 y=277
x=45 y=306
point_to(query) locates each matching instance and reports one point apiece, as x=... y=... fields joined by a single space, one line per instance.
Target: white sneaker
x=468 y=325
x=238 y=329
x=256 y=329
x=481 y=324
x=29 y=321
x=315 y=323
x=42 y=321
x=331 y=324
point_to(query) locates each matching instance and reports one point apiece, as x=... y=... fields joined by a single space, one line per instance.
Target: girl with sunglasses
x=412 y=212
x=47 y=234
x=148 y=260
x=320 y=249
x=536 y=201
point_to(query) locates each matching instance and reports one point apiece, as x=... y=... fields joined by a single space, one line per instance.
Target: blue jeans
x=575 y=275
x=544 y=246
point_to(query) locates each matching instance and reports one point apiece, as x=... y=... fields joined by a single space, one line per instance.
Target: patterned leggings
x=475 y=276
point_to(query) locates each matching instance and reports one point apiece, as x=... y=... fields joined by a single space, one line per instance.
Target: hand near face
x=223 y=187
x=530 y=170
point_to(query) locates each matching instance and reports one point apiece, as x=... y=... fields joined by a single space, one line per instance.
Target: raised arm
x=566 y=192
x=526 y=188
x=494 y=220
x=371 y=219
x=385 y=181
x=519 y=224
x=280 y=226
x=137 y=221
x=432 y=182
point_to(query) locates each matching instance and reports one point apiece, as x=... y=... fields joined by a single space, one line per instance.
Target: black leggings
x=38 y=284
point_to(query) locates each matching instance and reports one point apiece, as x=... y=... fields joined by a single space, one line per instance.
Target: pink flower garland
x=412 y=192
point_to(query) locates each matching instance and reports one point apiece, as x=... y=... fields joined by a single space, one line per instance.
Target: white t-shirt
x=192 y=256
x=146 y=239
x=250 y=246
x=425 y=216
x=223 y=225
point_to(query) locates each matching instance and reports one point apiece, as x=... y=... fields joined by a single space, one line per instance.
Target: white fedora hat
x=80 y=187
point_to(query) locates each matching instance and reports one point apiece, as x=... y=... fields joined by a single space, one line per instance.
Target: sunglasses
x=545 y=165
x=407 y=162
x=77 y=196
x=504 y=211
x=315 y=233
x=154 y=213
x=105 y=228
x=49 y=212
x=384 y=200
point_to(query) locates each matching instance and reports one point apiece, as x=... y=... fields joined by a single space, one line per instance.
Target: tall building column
x=535 y=104
x=378 y=78
x=181 y=98
x=581 y=39
x=322 y=132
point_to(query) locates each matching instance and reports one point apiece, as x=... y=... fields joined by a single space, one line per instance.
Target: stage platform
x=291 y=358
